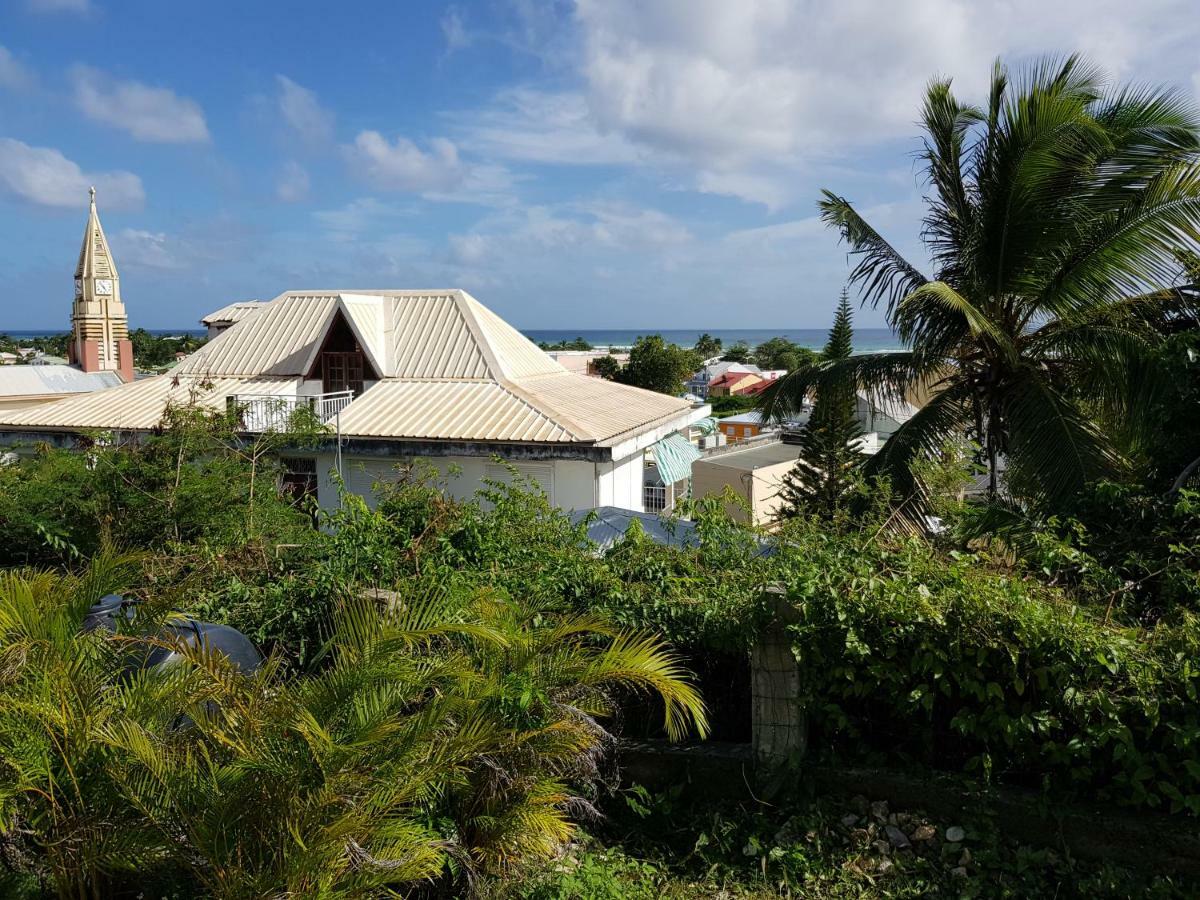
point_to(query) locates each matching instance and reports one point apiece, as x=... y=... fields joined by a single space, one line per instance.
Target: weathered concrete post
x=778 y=726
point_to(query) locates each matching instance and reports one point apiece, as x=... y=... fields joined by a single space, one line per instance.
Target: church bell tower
x=100 y=339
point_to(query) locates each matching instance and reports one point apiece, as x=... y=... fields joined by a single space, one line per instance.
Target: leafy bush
x=911 y=654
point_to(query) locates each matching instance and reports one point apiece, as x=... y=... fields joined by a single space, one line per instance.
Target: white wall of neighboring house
x=570 y=484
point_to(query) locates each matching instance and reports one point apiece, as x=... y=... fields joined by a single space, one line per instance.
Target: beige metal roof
x=139 y=405
x=451 y=370
x=598 y=409
x=431 y=339
x=449 y=410
x=280 y=339
x=234 y=312
x=407 y=334
x=515 y=354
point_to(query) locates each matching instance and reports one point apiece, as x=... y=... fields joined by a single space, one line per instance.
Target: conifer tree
x=826 y=472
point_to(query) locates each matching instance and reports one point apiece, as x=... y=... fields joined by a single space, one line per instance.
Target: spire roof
x=95 y=259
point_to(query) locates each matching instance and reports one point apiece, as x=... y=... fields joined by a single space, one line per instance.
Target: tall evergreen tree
x=826 y=471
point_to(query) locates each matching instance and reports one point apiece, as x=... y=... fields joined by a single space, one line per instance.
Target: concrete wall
x=757 y=487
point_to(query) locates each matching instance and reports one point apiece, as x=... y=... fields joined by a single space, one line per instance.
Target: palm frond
x=881 y=273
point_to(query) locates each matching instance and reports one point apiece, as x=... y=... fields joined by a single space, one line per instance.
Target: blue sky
x=589 y=164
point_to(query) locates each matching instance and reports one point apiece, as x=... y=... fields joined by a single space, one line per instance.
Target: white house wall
x=572 y=484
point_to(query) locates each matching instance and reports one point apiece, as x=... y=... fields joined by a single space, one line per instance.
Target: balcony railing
x=274 y=412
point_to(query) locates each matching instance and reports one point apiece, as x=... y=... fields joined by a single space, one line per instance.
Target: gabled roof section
x=365 y=316
x=514 y=354
x=278 y=340
x=95 y=259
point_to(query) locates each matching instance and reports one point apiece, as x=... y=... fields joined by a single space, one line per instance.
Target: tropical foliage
x=1053 y=219
x=444 y=731
x=656 y=365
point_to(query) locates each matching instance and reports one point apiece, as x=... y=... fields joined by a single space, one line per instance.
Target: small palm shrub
x=442 y=732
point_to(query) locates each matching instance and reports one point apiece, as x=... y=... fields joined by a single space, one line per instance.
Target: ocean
x=866 y=340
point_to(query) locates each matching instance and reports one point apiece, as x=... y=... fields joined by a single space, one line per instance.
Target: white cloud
x=739 y=98
x=293 y=182
x=469 y=249
x=359 y=218
x=403 y=166
x=585 y=228
x=723 y=83
x=303 y=112
x=148 y=113
x=532 y=125
x=145 y=249
x=42 y=175
x=13 y=74
x=52 y=6
x=454 y=29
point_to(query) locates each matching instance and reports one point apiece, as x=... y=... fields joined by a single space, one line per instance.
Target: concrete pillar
x=778 y=726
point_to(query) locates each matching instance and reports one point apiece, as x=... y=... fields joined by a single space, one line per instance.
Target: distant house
x=9 y=359
x=743 y=426
x=584 y=361
x=732 y=384
x=397 y=376
x=699 y=383
x=223 y=318
x=719 y=373
x=754 y=473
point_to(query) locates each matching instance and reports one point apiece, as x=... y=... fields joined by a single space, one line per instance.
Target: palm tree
x=1052 y=221
x=64 y=699
x=434 y=708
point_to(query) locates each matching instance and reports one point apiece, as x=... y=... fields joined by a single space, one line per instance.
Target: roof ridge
x=490 y=357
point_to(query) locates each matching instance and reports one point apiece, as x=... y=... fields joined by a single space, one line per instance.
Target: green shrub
x=914 y=655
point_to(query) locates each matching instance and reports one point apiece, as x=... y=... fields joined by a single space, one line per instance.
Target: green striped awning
x=706 y=426
x=674 y=456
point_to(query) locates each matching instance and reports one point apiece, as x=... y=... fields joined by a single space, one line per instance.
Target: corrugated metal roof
x=234 y=312
x=449 y=410
x=517 y=356
x=431 y=339
x=278 y=340
x=601 y=409
x=452 y=370
x=31 y=381
x=139 y=405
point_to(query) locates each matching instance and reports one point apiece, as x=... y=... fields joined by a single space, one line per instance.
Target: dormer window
x=341 y=364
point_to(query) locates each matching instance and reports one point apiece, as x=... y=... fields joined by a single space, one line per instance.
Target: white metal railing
x=274 y=412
